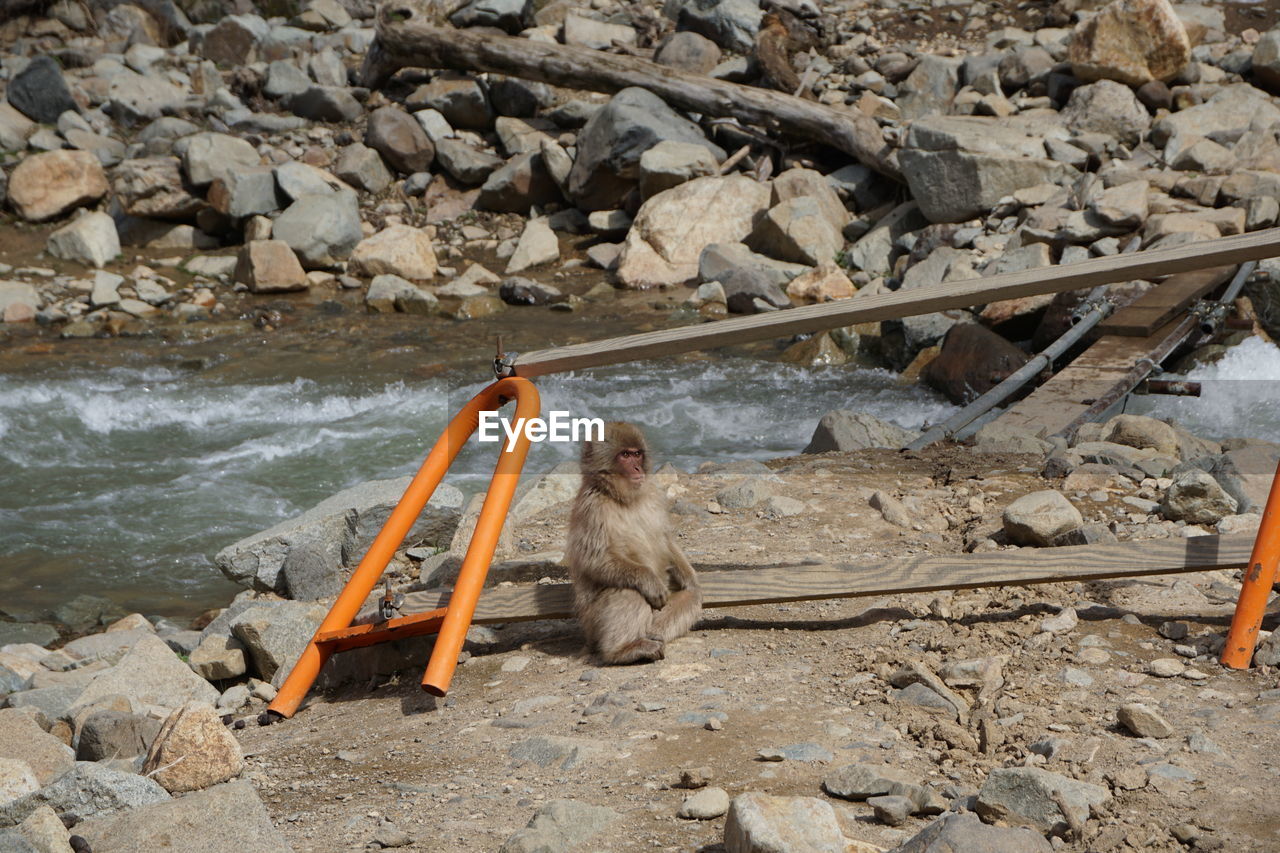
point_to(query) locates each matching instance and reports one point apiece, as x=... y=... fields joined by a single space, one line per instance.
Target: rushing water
x=125 y=482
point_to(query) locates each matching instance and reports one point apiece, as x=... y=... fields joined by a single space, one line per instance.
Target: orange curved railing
x=452 y=621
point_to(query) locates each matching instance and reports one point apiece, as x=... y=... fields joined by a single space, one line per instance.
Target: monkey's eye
x=631 y=454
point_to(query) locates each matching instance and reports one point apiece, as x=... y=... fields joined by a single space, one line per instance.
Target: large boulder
x=613 y=140
x=845 y=430
x=44 y=186
x=672 y=228
x=193 y=750
x=343 y=526
x=760 y=823
x=973 y=360
x=222 y=818
x=1130 y=41
x=958 y=167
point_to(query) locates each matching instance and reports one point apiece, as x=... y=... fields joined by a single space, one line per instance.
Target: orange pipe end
x=1259 y=575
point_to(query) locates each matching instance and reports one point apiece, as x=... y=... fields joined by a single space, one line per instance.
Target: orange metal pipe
x=402 y=518
x=1260 y=574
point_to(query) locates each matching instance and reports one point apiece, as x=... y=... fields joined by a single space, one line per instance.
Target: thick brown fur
x=634 y=590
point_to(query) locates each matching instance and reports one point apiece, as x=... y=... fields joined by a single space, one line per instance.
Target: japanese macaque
x=634 y=591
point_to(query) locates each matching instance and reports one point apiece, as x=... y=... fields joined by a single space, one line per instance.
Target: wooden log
x=889 y=306
x=1159 y=305
x=889 y=576
x=408 y=38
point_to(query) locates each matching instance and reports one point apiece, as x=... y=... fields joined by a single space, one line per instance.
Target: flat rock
x=86 y=790
x=859 y=781
x=1024 y=795
x=150 y=674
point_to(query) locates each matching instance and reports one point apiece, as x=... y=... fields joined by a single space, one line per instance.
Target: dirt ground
x=531 y=718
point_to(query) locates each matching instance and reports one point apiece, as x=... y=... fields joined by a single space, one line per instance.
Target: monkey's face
x=629 y=462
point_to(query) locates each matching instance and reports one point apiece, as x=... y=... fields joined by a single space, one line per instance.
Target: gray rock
x=671 y=163
x=464 y=163
x=461 y=99
x=87 y=790
x=310 y=573
x=799 y=230
x=891 y=809
x=400 y=140
x=222 y=818
x=1266 y=60
x=90 y=239
x=745 y=287
x=325 y=103
x=847 y=430
x=53 y=702
x=1024 y=795
x=362 y=167
x=299 y=179
x=39 y=91
x=744 y=494
x=1040 y=517
x=153 y=187
x=1268 y=651
x=13 y=841
x=150 y=674
x=921 y=696
x=582 y=31
x=1196 y=498
x=1107 y=107
x=522 y=183
x=688 y=51
x=706 y=804
x=511 y=96
x=759 y=823
x=209 y=156
x=560 y=825
x=327 y=69
x=1143 y=721
x=285 y=79
x=930 y=87
x=509 y=15
x=218 y=657
x=517 y=290
x=275 y=633
x=958 y=167
x=1246 y=473
x=321 y=229
x=246 y=192
x=115 y=734
x=892 y=509
x=1230 y=112
x=136 y=98
x=233 y=41
x=732 y=24
x=859 y=781
x=965 y=832
x=26 y=632
x=611 y=144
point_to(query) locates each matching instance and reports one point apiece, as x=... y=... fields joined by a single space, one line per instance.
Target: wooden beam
x=1159 y=304
x=890 y=576
x=408 y=37
x=889 y=306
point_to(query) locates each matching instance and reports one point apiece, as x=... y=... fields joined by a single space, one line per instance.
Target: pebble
x=1143 y=721
x=706 y=804
x=1166 y=667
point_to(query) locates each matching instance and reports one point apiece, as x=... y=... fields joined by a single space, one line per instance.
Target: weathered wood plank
x=1159 y=305
x=888 y=306
x=888 y=576
x=408 y=37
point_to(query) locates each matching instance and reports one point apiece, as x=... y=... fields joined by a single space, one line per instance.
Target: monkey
x=633 y=589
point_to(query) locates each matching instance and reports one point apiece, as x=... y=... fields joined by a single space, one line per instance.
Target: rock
x=234 y=40
x=1065 y=620
x=362 y=168
x=396 y=250
x=310 y=574
x=115 y=734
x=246 y=192
x=688 y=51
x=275 y=634
x=1107 y=107
x=21 y=739
x=39 y=91
x=86 y=790
x=321 y=229
x=581 y=31
x=459 y=98
x=745 y=289
x=995 y=437
x=930 y=87
x=1139 y=431
x=538 y=245
x=522 y=183
x=799 y=230
x=846 y=430
x=672 y=228
x=464 y=163
x=225 y=817
x=511 y=16
x=744 y=494
x=892 y=810
x=90 y=239
x=892 y=509
x=44 y=186
x=1266 y=60
x=1024 y=795
x=973 y=360
x=150 y=674
x=44 y=831
x=958 y=167
x=218 y=657
x=327 y=69
x=153 y=187
x=1130 y=41
x=285 y=79
x=560 y=825
x=1123 y=206
x=670 y=163
x=964 y=831
x=324 y=103
x=1246 y=474
x=1196 y=498
x=707 y=804
x=389 y=293
x=35 y=633
x=611 y=144
x=298 y=179
x=1229 y=113
x=860 y=781
x=1143 y=721
x=193 y=750
x=512 y=97
x=824 y=283
x=210 y=156
x=138 y=98
x=731 y=24
x=759 y=823
x=18 y=302
x=1040 y=517
x=525 y=291
x=269 y=266
x=399 y=138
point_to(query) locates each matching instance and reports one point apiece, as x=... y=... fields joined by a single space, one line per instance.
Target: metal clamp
x=504 y=363
x=1088 y=306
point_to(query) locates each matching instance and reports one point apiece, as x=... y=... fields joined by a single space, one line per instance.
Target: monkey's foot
x=638 y=651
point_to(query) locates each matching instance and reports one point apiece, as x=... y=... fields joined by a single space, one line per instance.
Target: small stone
x=1066 y=620
x=269 y=266
x=538 y=245
x=1143 y=721
x=91 y=240
x=1166 y=667
x=693 y=777
x=890 y=809
x=706 y=804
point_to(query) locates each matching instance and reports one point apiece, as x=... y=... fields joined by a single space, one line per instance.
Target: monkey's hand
x=682 y=574
x=654 y=591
